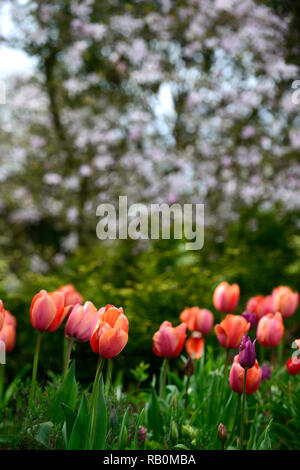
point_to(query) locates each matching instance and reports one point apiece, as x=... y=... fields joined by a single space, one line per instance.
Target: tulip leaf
x=79 y=435
x=138 y=421
x=264 y=442
x=43 y=434
x=70 y=417
x=123 y=432
x=153 y=414
x=253 y=433
x=100 y=424
x=66 y=394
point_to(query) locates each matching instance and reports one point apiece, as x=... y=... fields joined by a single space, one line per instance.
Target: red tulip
x=2 y=314
x=8 y=331
x=198 y=319
x=231 y=331
x=270 y=329
x=169 y=341
x=237 y=375
x=260 y=305
x=194 y=345
x=71 y=295
x=47 y=311
x=285 y=301
x=226 y=297
x=81 y=322
x=110 y=334
x=293 y=366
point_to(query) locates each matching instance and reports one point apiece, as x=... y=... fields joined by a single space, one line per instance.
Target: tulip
x=293 y=366
x=71 y=295
x=198 y=319
x=266 y=372
x=194 y=345
x=270 y=330
x=222 y=434
x=80 y=325
x=285 y=301
x=142 y=434
x=237 y=374
x=168 y=341
x=226 y=297
x=231 y=330
x=47 y=311
x=189 y=367
x=250 y=317
x=110 y=334
x=259 y=306
x=8 y=332
x=247 y=356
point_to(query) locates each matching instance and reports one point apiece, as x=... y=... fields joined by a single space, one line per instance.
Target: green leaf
x=44 y=433
x=79 y=435
x=138 y=421
x=100 y=418
x=14 y=384
x=123 y=432
x=253 y=433
x=66 y=394
x=264 y=442
x=70 y=417
x=153 y=415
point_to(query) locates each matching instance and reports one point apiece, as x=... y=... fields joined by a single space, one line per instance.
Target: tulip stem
x=224 y=375
x=163 y=378
x=186 y=391
x=34 y=369
x=68 y=355
x=243 y=410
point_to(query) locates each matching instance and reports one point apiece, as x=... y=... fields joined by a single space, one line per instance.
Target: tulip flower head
x=194 y=345
x=259 y=306
x=293 y=366
x=222 y=432
x=266 y=372
x=231 y=331
x=198 y=319
x=110 y=334
x=8 y=331
x=47 y=311
x=168 y=341
x=270 y=330
x=81 y=322
x=285 y=301
x=237 y=374
x=226 y=297
x=247 y=356
x=251 y=318
x=189 y=367
x=71 y=295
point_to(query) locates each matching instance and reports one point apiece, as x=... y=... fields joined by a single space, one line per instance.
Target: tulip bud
x=222 y=432
x=142 y=434
x=266 y=372
x=247 y=356
x=189 y=367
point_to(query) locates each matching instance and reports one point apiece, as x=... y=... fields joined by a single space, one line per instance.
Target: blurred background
x=162 y=101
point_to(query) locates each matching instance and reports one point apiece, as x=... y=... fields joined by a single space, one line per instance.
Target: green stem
x=164 y=377
x=93 y=403
x=34 y=369
x=186 y=391
x=234 y=419
x=108 y=375
x=243 y=410
x=70 y=343
x=224 y=376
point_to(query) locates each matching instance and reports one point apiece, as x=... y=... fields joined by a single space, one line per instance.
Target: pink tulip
x=47 y=311
x=260 y=305
x=71 y=295
x=81 y=322
x=270 y=330
x=285 y=301
x=198 y=319
x=226 y=297
x=168 y=341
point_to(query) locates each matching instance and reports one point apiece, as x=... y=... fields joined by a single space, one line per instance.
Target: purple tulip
x=247 y=354
x=250 y=317
x=266 y=372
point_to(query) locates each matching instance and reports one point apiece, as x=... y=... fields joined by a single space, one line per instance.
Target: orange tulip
x=237 y=375
x=194 y=345
x=47 y=311
x=168 y=341
x=285 y=301
x=71 y=295
x=2 y=314
x=8 y=331
x=110 y=334
x=81 y=322
x=226 y=297
x=270 y=329
x=231 y=331
x=260 y=305
x=198 y=319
